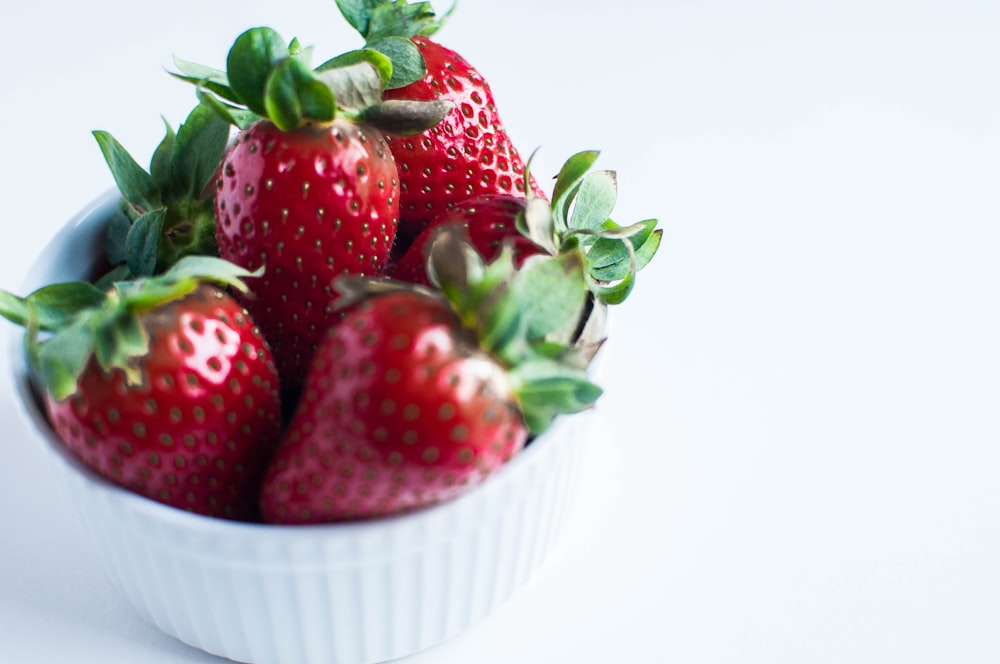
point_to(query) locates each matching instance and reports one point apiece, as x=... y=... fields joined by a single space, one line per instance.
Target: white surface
x=800 y=432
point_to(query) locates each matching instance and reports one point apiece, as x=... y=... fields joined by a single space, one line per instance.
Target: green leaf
x=594 y=201
x=163 y=156
x=201 y=142
x=357 y=13
x=249 y=65
x=356 y=86
x=609 y=256
x=407 y=61
x=209 y=78
x=615 y=293
x=52 y=306
x=644 y=253
x=115 y=245
x=118 y=273
x=547 y=388
x=238 y=117
x=143 y=242
x=135 y=184
x=397 y=19
x=567 y=183
x=382 y=63
x=213 y=269
x=551 y=290
x=294 y=94
x=119 y=338
x=61 y=359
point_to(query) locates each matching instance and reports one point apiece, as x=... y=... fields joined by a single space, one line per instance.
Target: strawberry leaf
x=143 y=243
x=114 y=275
x=382 y=63
x=377 y=19
x=610 y=257
x=208 y=78
x=250 y=63
x=356 y=86
x=594 y=201
x=115 y=245
x=615 y=293
x=293 y=94
x=397 y=19
x=551 y=290
x=160 y=165
x=238 y=117
x=52 y=306
x=135 y=184
x=645 y=252
x=548 y=388
x=210 y=268
x=200 y=143
x=117 y=339
x=59 y=360
x=407 y=60
x=567 y=183
x=357 y=13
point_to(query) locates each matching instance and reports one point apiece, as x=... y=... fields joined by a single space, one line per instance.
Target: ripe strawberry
x=162 y=385
x=468 y=153
x=309 y=204
x=412 y=398
x=576 y=222
x=309 y=189
x=490 y=223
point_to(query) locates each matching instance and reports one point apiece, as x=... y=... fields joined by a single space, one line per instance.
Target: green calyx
x=388 y=25
x=68 y=323
x=514 y=313
x=168 y=209
x=267 y=78
x=579 y=221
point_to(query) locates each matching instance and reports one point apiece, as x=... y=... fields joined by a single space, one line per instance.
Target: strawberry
x=414 y=397
x=162 y=385
x=468 y=153
x=576 y=222
x=490 y=224
x=309 y=189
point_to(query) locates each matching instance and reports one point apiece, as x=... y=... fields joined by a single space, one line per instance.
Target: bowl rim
x=95 y=214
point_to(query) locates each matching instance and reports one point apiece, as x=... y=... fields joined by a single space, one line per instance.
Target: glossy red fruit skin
x=467 y=154
x=489 y=222
x=197 y=432
x=400 y=411
x=308 y=205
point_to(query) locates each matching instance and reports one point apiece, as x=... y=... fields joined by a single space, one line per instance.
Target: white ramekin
x=338 y=594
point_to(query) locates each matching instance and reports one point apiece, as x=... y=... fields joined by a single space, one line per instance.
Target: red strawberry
x=412 y=399
x=164 y=386
x=309 y=190
x=577 y=221
x=308 y=205
x=468 y=153
x=490 y=222
x=400 y=410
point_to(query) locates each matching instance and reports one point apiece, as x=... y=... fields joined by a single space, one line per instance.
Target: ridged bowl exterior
x=340 y=594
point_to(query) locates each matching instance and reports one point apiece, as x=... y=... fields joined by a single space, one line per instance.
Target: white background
x=797 y=456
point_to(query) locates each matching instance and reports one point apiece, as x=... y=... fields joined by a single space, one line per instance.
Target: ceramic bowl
x=333 y=594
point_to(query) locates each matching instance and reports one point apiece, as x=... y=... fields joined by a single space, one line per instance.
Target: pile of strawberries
x=336 y=293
